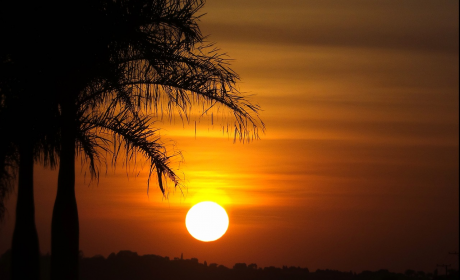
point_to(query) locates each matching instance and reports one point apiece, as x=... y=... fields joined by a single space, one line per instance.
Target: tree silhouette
x=112 y=130
x=153 y=51
x=23 y=143
x=17 y=157
x=28 y=129
x=115 y=60
x=97 y=130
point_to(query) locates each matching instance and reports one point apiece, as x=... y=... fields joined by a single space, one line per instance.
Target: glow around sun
x=206 y=221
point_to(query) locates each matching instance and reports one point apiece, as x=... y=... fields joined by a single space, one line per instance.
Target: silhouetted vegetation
x=129 y=265
x=103 y=77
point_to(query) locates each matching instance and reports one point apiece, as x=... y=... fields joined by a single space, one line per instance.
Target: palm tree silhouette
x=153 y=51
x=123 y=57
x=27 y=137
x=17 y=159
x=29 y=131
x=109 y=129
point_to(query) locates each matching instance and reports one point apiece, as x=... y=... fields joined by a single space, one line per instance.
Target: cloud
x=399 y=25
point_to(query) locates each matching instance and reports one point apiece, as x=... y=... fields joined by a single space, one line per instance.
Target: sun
x=206 y=221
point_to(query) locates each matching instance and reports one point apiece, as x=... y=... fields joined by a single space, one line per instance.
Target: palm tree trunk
x=64 y=225
x=25 y=249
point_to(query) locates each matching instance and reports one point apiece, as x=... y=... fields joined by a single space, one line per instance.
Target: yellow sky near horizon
x=357 y=169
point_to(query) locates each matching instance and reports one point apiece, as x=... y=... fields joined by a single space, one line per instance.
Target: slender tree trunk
x=64 y=226
x=25 y=258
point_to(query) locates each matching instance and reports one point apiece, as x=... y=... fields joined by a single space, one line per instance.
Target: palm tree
x=143 y=55
x=25 y=247
x=25 y=140
x=150 y=50
x=27 y=125
x=110 y=129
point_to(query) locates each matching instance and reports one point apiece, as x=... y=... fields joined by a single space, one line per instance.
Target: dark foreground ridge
x=129 y=265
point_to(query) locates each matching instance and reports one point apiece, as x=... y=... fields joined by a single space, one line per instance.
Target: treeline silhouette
x=129 y=265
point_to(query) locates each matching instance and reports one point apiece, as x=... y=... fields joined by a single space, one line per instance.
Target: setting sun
x=326 y=132
x=207 y=221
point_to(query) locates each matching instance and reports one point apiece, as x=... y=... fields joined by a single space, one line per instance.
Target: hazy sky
x=359 y=165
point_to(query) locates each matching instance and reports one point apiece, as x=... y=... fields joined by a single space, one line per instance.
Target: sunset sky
x=358 y=168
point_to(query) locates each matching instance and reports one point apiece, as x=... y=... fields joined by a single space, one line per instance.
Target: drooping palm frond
x=188 y=79
x=134 y=134
x=115 y=130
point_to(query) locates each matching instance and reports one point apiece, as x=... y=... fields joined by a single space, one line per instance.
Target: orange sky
x=359 y=165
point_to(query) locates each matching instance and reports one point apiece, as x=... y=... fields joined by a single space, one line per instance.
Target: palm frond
x=159 y=55
x=130 y=133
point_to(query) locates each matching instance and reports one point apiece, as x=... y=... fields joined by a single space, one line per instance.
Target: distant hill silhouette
x=129 y=265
